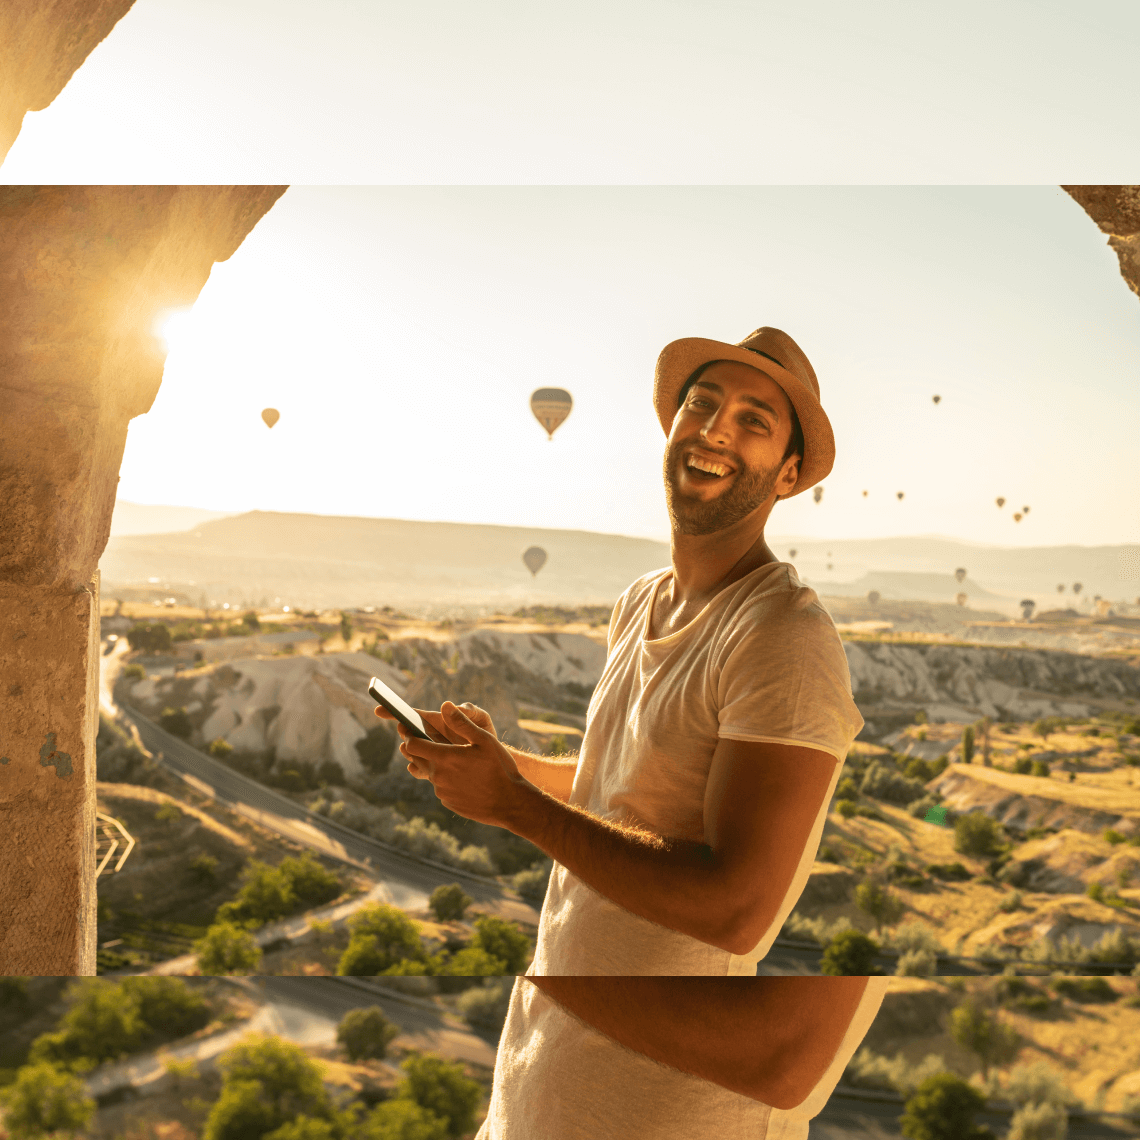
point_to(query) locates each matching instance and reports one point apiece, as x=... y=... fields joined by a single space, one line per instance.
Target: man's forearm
x=555 y=777
x=672 y=882
x=771 y=1039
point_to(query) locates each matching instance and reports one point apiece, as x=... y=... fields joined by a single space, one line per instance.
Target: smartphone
x=399 y=708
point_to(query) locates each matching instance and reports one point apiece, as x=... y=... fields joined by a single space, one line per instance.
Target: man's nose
x=716 y=429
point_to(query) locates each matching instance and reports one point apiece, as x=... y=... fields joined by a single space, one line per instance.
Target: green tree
x=874 y=899
x=376 y=748
x=227 y=950
x=380 y=937
x=443 y=1089
x=449 y=902
x=401 y=1119
x=365 y=1034
x=266 y=894
x=502 y=940
x=220 y=748
x=305 y=1128
x=43 y=1101
x=943 y=1108
x=311 y=883
x=977 y=834
x=345 y=627
x=150 y=637
x=251 y=621
x=975 y=1028
x=968 y=744
x=176 y=722
x=474 y=962
x=167 y=1006
x=268 y=1083
x=13 y=992
x=849 y=953
x=101 y=1024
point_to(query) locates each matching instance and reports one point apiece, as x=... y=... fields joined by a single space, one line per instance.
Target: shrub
x=220 y=748
x=251 y=621
x=1023 y=766
x=1039 y=1122
x=330 y=772
x=376 y=748
x=442 y=1088
x=1038 y=1083
x=1113 y=837
x=922 y=963
x=269 y=893
x=430 y=840
x=977 y=834
x=849 y=953
x=975 y=1028
x=311 y=883
x=167 y=1007
x=847 y=789
x=45 y=1100
x=133 y=672
x=884 y=782
x=502 y=940
x=943 y=1108
x=13 y=991
x=1040 y=768
x=150 y=637
x=874 y=899
x=968 y=744
x=450 y=902
x=1010 y=903
x=869 y=1069
x=532 y=883
x=485 y=1007
x=846 y=808
x=1093 y=988
x=176 y=722
x=402 y=1119
x=99 y=1026
x=365 y=1034
x=168 y=812
x=305 y=1128
x=466 y=966
x=204 y=868
x=381 y=936
x=227 y=950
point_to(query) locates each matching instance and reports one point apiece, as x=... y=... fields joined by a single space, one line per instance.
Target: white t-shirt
x=557 y=1078
x=762 y=661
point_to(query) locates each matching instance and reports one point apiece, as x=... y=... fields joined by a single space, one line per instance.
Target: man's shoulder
x=779 y=597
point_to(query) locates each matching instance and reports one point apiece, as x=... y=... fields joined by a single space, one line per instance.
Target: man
x=685 y=831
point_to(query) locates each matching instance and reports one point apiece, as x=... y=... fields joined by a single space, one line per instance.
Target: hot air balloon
x=864 y=494
x=817 y=494
x=1060 y=587
x=535 y=559
x=961 y=599
x=1025 y=510
x=1076 y=587
x=873 y=597
x=900 y=495
x=1027 y=608
x=829 y=566
x=960 y=573
x=792 y=555
x=1017 y=516
x=937 y=399
x=270 y=416
x=1000 y=503
x=551 y=406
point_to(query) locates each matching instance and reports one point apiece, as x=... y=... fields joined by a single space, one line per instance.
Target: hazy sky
x=400 y=332
x=592 y=91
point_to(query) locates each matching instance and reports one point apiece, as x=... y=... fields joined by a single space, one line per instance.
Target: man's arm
x=761 y=802
x=770 y=1038
x=554 y=777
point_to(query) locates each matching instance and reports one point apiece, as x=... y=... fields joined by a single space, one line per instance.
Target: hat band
x=763 y=354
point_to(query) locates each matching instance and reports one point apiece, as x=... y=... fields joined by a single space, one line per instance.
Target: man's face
x=724 y=458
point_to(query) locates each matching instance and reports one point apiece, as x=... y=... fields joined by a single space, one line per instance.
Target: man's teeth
x=705 y=465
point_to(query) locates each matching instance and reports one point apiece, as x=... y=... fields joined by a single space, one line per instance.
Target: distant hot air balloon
x=270 y=416
x=829 y=566
x=1060 y=587
x=1017 y=516
x=1027 y=608
x=551 y=406
x=792 y=555
x=1076 y=587
x=1025 y=510
x=864 y=494
x=817 y=494
x=937 y=399
x=961 y=599
x=1000 y=503
x=900 y=495
x=535 y=558
x=960 y=573
x=873 y=597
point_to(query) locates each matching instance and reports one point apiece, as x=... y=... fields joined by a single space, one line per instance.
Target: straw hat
x=776 y=355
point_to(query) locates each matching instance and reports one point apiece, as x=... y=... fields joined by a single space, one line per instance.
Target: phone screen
x=398 y=707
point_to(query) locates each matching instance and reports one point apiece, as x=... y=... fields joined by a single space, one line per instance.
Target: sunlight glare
x=175 y=327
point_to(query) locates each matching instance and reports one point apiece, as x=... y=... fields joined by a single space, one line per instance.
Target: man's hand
x=473 y=774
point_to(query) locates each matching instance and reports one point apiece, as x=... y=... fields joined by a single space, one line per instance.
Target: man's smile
x=703 y=469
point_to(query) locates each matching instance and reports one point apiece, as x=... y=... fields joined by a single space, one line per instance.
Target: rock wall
x=42 y=44
x=84 y=272
x=1116 y=210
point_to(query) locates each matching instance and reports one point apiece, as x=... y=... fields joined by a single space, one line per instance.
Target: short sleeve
x=782 y=677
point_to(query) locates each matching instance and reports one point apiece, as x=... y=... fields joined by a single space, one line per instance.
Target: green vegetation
x=150 y=637
x=973 y=1027
x=968 y=744
x=106 y=1020
x=220 y=748
x=346 y=627
x=951 y=872
x=365 y=1034
x=168 y=813
x=976 y=834
x=450 y=902
x=442 y=1089
x=269 y=893
x=251 y=621
x=376 y=748
x=846 y=808
x=564 y=615
x=943 y=1108
x=884 y=781
x=531 y=884
x=850 y=953
x=227 y=950
x=176 y=722
x=485 y=1007
x=875 y=900
x=133 y=672
x=380 y=937
x=44 y=1100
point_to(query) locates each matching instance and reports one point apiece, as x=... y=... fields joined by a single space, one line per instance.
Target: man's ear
x=794 y=472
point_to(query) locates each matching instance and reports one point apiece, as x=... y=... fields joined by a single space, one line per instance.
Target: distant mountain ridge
x=316 y=561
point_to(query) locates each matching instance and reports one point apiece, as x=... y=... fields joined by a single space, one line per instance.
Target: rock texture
x=42 y=44
x=1116 y=210
x=84 y=272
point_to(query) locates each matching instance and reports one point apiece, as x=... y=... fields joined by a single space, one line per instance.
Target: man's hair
x=795 y=441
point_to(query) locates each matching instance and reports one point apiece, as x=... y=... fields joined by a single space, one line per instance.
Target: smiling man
x=684 y=832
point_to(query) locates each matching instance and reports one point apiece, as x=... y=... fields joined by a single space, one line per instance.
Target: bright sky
x=401 y=331
x=597 y=92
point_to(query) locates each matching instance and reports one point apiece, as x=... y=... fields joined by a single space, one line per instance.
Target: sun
x=176 y=327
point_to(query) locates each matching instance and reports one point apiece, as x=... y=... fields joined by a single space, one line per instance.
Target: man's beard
x=750 y=488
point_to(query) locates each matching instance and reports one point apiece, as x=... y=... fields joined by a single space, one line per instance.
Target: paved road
x=399 y=870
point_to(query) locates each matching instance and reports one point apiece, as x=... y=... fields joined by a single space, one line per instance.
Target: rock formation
x=42 y=44
x=1116 y=210
x=84 y=271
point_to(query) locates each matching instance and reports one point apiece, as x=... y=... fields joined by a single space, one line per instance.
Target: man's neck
x=703 y=564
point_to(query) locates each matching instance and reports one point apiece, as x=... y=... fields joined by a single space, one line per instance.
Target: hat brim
x=680 y=359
